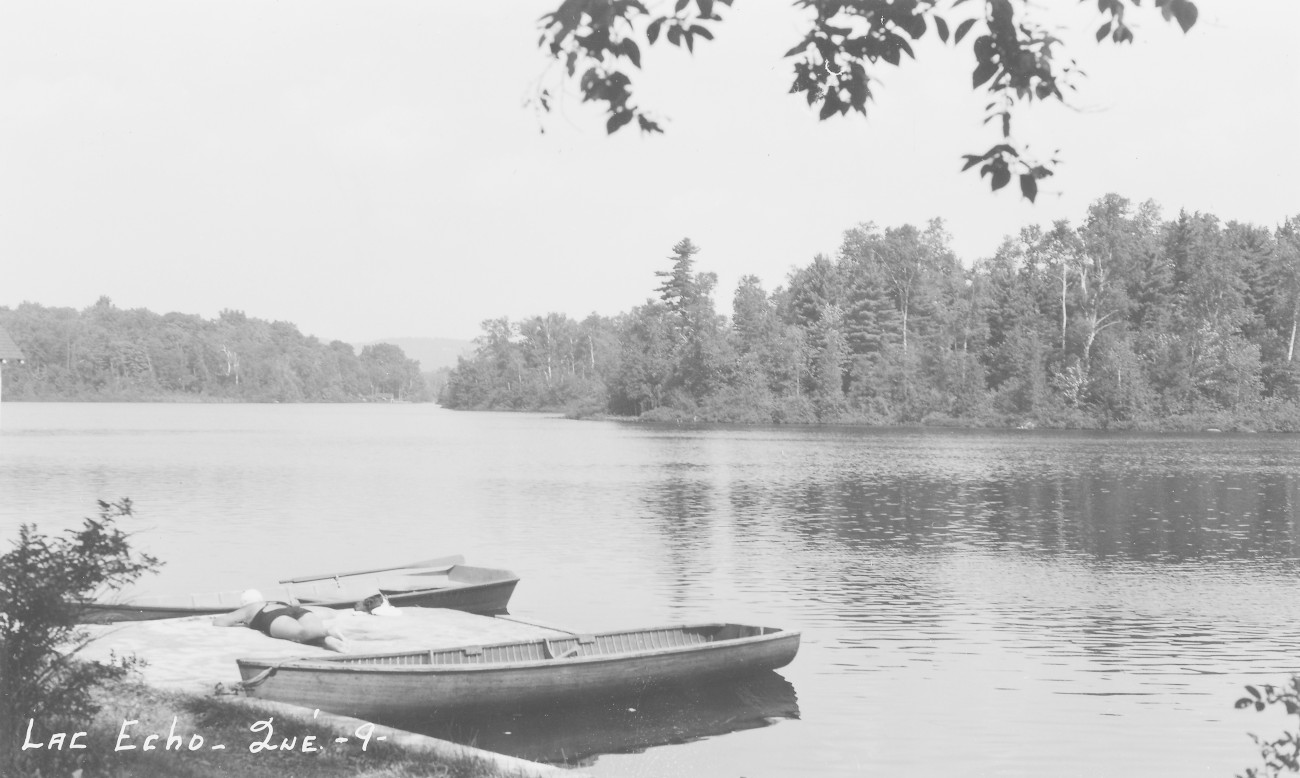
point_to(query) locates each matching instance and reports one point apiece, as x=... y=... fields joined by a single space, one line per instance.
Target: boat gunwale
x=343 y=663
x=134 y=604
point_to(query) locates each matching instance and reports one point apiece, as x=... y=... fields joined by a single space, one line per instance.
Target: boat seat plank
x=570 y=652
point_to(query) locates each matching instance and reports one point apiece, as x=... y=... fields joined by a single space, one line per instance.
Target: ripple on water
x=971 y=602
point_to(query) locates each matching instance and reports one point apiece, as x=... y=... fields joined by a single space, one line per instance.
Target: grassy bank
x=224 y=722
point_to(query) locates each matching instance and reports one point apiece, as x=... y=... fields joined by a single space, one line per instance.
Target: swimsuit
x=261 y=620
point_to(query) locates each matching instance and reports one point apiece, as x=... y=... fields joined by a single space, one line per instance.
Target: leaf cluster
x=45 y=582
x=1281 y=754
x=1017 y=60
x=600 y=36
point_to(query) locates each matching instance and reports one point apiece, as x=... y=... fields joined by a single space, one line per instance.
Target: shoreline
x=1185 y=424
x=207 y=400
x=1280 y=418
x=145 y=730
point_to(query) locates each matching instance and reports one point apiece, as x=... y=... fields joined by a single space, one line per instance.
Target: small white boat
x=520 y=673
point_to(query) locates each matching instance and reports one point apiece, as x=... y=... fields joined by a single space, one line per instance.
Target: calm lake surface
x=972 y=603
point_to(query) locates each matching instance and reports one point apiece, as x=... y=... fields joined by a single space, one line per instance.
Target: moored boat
x=445 y=582
x=520 y=673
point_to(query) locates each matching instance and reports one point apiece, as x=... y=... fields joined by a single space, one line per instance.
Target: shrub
x=44 y=584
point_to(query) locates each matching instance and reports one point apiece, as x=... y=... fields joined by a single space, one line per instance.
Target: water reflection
x=1066 y=604
x=577 y=733
x=683 y=506
x=1149 y=507
x=1041 y=586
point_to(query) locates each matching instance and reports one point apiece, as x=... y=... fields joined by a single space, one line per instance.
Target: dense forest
x=1126 y=321
x=107 y=353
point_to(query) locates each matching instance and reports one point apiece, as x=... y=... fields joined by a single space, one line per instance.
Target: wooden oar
x=542 y=626
x=444 y=561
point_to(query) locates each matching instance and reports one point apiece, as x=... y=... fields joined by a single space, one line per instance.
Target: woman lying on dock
x=284 y=621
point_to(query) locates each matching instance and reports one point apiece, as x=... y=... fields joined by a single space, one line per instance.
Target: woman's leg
x=307 y=628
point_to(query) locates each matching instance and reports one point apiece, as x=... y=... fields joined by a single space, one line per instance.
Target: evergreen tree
x=678 y=290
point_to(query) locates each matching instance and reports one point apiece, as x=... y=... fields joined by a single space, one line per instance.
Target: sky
x=372 y=170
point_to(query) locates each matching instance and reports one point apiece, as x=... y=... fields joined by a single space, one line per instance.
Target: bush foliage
x=1281 y=754
x=45 y=581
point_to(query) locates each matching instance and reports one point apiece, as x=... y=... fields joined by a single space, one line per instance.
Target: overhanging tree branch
x=1017 y=61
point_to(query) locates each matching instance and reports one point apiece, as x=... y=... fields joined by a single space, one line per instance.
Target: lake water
x=971 y=603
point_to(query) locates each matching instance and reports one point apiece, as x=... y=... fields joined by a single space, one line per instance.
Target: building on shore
x=10 y=354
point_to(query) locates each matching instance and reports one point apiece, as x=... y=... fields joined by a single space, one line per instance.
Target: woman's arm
x=239 y=617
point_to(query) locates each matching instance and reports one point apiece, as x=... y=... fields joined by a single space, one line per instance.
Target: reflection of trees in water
x=682 y=509
x=854 y=544
x=1162 y=517
x=903 y=551
x=577 y=732
x=1180 y=517
x=1089 y=566
x=1278 y=522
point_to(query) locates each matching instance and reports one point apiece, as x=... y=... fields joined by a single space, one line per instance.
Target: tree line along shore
x=1128 y=320
x=105 y=353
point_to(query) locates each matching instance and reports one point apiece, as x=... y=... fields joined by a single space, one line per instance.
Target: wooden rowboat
x=445 y=582
x=519 y=674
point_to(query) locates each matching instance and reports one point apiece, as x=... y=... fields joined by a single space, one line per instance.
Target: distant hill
x=431 y=353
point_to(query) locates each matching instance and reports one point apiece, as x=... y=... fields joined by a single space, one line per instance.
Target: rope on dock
x=257 y=680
